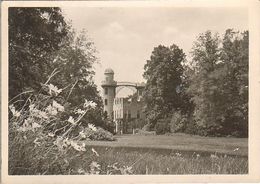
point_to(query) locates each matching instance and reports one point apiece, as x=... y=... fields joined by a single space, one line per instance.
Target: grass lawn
x=180 y=142
x=173 y=154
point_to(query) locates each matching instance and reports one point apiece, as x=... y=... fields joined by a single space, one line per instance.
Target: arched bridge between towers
x=131 y=85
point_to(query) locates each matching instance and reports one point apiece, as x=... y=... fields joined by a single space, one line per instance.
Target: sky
x=126 y=36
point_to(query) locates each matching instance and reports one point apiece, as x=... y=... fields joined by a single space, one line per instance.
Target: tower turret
x=109 y=92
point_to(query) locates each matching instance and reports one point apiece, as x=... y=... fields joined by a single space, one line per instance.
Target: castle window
x=106 y=91
x=105 y=101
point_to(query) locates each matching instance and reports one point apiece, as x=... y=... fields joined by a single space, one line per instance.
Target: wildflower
x=198 y=155
x=54 y=89
x=94 y=151
x=178 y=154
x=43 y=115
x=213 y=156
x=57 y=106
x=126 y=170
x=78 y=147
x=90 y=104
x=71 y=120
x=15 y=113
x=94 y=165
x=236 y=149
x=82 y=134
x=94 y=168
x=51 y=110
x=81 y=171
x=60 y=143
x=37 y=143
x=31 y=107
x=36 y=125
x=79 y=111
x=92 y=127
x=51 y=135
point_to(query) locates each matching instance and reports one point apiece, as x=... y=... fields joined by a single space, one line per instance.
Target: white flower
x=36 y=125
x=79 y=111
x=43 y=114
x=94 y=165
x=78 y=147
x=51 y=134
x=57 y=106
x=15 y=113
x=92 y=127
x=178 y=154
x=71 y=120
x=81 y=171
x=54 y=89
x=31 y=107
x=37 y=143
x=52 y=111
x=90 y=104
x=236 y=149
x=94 y=151
x=82 y=134
x=213 y=156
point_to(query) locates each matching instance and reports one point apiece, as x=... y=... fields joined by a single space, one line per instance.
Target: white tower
x=109 y=92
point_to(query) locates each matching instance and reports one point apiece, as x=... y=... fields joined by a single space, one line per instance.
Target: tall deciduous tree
x=34 y=33
x=234 y=55
x=218 y=83
x=163 y=88
x=74 y=62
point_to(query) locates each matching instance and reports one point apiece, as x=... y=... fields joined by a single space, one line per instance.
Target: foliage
x=34 y=33
x=160 y=161
x=178 y=122
x=40 y=41
x=45 y=135
x=162 y=126
x=163 y=89
x=98 y=134
x=219 y=83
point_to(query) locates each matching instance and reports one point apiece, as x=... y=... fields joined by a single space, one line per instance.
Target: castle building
x=126 y=113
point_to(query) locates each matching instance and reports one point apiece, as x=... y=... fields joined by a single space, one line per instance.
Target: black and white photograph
x=127 y=90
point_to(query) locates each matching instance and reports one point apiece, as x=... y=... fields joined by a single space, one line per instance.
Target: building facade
x=126 y=113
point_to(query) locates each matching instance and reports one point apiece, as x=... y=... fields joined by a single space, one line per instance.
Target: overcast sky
x=125 y=37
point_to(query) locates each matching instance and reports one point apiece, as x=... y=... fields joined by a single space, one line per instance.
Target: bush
x=45 y=133
x=98 y=134
x=147 y=127
x=178 y=122
x=162 y=126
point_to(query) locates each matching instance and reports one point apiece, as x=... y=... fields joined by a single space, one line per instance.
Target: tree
x=163 y=73
x=74 y=63
x=234 y=55
x=218 y=83
x=203 y=88
x=41 y=41
x=34 y=33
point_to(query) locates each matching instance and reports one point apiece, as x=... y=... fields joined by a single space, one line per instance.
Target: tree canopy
x=163 y=73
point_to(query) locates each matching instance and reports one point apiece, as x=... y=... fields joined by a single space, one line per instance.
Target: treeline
x=41 y=43
x=206 y=94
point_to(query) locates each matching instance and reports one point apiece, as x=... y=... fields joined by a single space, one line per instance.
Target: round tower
x=109 y=92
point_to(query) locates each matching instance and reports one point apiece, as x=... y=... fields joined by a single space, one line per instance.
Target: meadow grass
x=159 y=161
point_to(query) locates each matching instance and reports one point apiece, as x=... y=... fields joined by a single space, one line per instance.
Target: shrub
x=45 y=133
x=178 y=122
x=162 y=126
x=147 y=127
x=98 y=134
